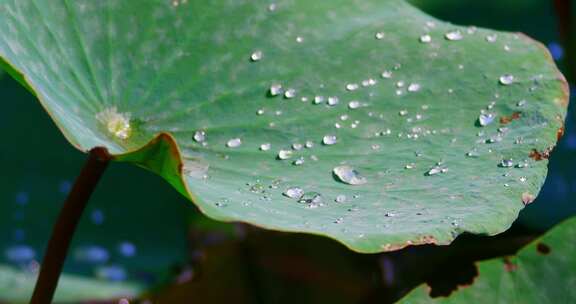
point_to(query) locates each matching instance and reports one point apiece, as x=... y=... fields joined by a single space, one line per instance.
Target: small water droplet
x=311 y=198
x=290 y=93
x=329 y=140
x=506 y=163
x=341 y=198
x=276 y=89
x=491 y=37
x=426 y=38
x=354 y=104
x=352 y=86
x=333 y=100
x=414 y=87
x=349 y=175
x=486 y=118
x=318 y=99
x=380 y=35
x=299 y=39
x=256 y=56
x=506 y=79
x=293 y=192
x=199 y=136
x=386 y=74
x=297 y=146
x=521 y=103
x=299 y=161
x=454 y=35
x=265 y=146
x=284 y=154
x=234 y=143
x=436 y=170
x=309 y=144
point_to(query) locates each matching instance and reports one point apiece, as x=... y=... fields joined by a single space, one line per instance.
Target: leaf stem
x=66 y=223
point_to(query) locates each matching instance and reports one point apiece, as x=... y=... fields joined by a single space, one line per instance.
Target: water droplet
x=349 y=175
x=117 y=124
x=299 y=39
x=329 y=140
x=284 y=154
x=199 y=136
x=380 y=35
x=297 y=146
x=272 y=7
x=299 y=161
x=341 y=198
x=386 y=74
x=234 y=143
x=314 y=198
x=414 y=87
x=506 y=163
x=20 y=254
x=333 y=100
x=521 y=103
x=256 y=56
x=309 y=144
x=491 y=37
x=506 y=79
x=403 y=112
x=436 y=170
x=486 y=118
x=454 y=35
x=265 y=146
x=523 y=179
x=426 y=38
x=294 y=192
x=276 y=89
x=318 y=99
x=354 y=104
x=290 y=93
x=352 y=86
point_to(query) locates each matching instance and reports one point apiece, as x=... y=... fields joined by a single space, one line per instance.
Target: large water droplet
x=349 y=175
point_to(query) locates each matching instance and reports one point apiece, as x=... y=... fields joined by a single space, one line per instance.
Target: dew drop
x=380 y=35
x=276 y=89
x=297 y=146
x=352 y=86
x=314 y=198
x=299 y=161
x=333 y=100
x=341 y=198
x=506 y=163
x=486 y=118
x=265 y=147
x=290 y=93
x=293 y=192
x=426 y=38
x=329 y=140
x=349 y=175
x=309 y=144
x=284 y=154
x=318 y=99
x=491 y=38
x=454 y=35
x=199 y=136
x=354 y=104
x=234 y=143
x=436 y=170
x=386 y=74
x=414 y=87
x=506 y=79
x=256 y=56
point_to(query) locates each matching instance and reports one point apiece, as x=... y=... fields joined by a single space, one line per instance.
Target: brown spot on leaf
x=508 y=119
x=543 y=248
x=560 y=133
x=527 y=198
x=509 y=265
x=538 y=156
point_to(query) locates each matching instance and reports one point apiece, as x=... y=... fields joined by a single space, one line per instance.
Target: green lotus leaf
x=369 y=122
x=542 y=272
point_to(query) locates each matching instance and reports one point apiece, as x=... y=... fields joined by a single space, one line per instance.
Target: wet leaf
x=542 y=272
x=233 y=103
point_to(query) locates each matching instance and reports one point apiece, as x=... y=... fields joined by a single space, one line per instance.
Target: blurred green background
x=138 y=230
